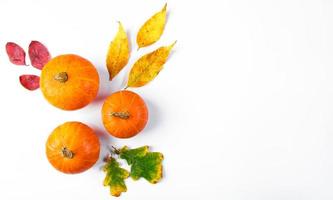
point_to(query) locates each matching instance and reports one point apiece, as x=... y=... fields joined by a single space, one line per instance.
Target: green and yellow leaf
x=118 y=53
x=152 y=29
x=148 y=66
x=143 y=163
x=130 y=155
x=115 y=177
x=148 y=167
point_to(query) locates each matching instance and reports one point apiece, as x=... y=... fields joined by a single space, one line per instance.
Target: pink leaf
x=15 y=53
x=29 y=81
x=39 y=55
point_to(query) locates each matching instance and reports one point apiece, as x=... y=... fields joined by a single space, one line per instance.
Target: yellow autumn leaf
x=152 y=29
x=118 y=53
x=148 y=66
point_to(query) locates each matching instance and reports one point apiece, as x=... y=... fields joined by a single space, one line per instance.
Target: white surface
x=242 y=111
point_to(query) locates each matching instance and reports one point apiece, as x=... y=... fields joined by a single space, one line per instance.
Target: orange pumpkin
x=72 y=147
x=69 y=82
x=124 y=114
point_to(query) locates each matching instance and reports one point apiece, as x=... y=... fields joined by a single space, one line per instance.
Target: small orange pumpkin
x=72 y=147
x=69 y=82
x=124 y=114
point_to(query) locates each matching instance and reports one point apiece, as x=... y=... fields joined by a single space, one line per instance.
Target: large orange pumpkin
x=69 y=82
x=72 y=147
x=124 y=114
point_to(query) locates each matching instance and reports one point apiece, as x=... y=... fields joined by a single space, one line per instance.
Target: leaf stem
x=115 y=150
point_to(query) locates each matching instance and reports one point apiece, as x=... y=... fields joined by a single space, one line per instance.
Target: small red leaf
x=15 y=53
x=39 y=55
x=29 y=81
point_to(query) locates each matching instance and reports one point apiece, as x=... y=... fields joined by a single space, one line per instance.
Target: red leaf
x=15 y=53
x=29 y=81
x=39 y=55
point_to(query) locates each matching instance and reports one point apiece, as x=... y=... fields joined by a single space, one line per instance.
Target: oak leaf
x=115 y=177
x=144 y=163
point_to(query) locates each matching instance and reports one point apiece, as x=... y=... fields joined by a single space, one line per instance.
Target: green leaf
x=143 y=163
x=148 y=167
x=115 y=177
x=130 y=155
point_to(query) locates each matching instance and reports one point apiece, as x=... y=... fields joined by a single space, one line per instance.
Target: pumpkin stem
x=122 y=115
x=67 y=153
x=62 y=77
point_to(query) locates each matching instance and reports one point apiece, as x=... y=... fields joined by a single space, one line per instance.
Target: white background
x=242 y=111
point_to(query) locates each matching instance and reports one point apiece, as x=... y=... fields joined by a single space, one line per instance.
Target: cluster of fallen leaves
x=146 y=68
x=38 y=55
x=143 y=163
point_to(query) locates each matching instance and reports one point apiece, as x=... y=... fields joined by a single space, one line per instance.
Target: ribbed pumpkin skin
x=80 y=88
x=78 y=138
x=124 y=102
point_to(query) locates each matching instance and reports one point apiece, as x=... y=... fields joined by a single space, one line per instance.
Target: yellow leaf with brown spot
x=152 y=29
x=118 y=53
x=148 y=66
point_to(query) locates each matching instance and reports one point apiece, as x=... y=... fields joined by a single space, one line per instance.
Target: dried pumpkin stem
x=62 y=77
x=67 y=153
x=122 y=115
